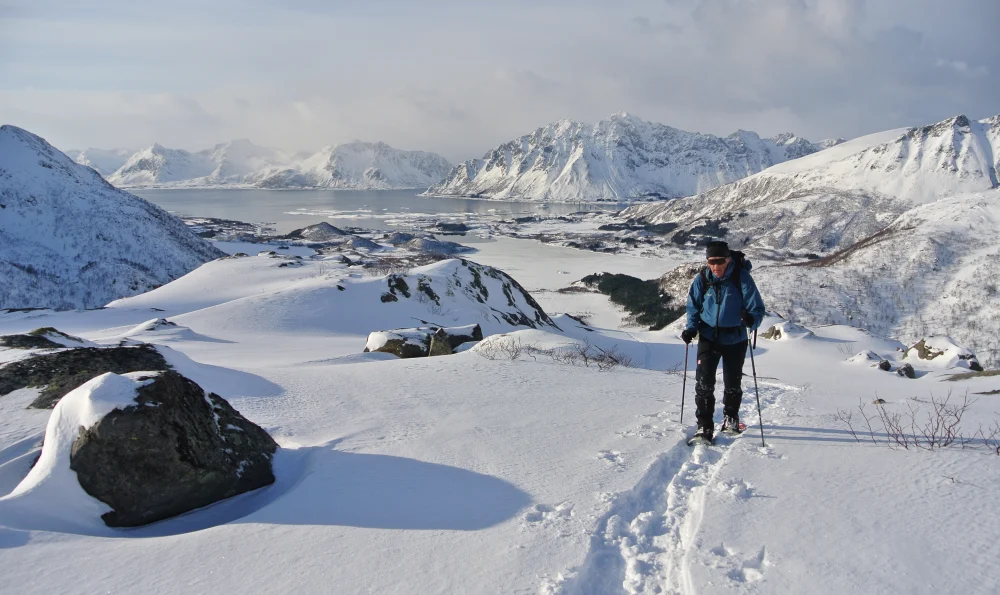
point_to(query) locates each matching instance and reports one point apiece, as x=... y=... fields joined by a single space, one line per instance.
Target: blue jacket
x=715 y=308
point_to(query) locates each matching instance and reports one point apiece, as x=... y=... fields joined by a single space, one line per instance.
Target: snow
x=465 y=474
x=622 y=158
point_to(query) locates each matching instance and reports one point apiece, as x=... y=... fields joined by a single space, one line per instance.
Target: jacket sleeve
x=752 y=302
x=696 y=295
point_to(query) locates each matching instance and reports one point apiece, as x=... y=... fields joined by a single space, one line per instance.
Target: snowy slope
x=836 y=197
x=934 y=270
x=620 y=158
x=105 y=161
x=465 y=474
x=357 y=166
x=68 y=239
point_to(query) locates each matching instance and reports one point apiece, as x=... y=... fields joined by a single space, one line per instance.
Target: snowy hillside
x=357 y=166
x=801 y=205
x=934 y=270
x=105 y=161
x=619 y=159
x=68 y=239
x=504 y=469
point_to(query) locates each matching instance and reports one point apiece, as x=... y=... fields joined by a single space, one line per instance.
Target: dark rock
x=178 y=449
x=906 y=370
x=772 y=333
x=440 y=345
x=462 y=334
x=320 y=232
x=452 y=227
x=884 y=365
x=60 y=372
x=35 y=339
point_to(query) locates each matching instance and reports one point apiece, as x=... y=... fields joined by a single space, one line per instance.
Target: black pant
x=732 y=356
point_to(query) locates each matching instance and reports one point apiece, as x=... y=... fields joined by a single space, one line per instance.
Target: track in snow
x=643 y=544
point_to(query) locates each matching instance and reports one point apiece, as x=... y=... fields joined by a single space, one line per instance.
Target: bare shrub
x=940 y=427
x=381 y=268
x=578 y=354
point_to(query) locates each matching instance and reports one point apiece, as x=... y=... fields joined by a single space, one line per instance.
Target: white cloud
x=459 y=77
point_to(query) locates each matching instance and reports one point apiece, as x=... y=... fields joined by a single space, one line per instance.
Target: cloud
x=459 y=78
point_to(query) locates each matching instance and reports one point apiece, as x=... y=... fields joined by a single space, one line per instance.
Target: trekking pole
x=753 y=366
x=684 y=382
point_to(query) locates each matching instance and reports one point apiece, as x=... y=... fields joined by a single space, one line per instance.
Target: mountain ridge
x=620 y=158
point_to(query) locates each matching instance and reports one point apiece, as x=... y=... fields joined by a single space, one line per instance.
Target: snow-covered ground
x=466 y=474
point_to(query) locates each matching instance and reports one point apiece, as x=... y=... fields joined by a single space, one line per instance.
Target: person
x=723 y=306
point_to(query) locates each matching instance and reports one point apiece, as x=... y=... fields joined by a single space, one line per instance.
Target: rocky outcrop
x=176 y=449
x=60 y=372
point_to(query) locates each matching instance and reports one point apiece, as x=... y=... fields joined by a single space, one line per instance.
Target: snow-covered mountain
x=357 y=165
x=158 y=165
x=68 y=239
x=620 y=158
x=834 y=198
x=105 y=161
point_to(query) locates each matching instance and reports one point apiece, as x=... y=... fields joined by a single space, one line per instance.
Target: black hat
x=717 y=249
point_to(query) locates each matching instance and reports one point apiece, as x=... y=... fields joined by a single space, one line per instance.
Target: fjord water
x=286 y=210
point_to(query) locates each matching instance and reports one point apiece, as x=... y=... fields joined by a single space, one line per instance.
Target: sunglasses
x=717 y=261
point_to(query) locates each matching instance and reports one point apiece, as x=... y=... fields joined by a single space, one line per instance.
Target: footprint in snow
x=543 y=513
x=752 y=569
x=736 y=489
x=613 y=458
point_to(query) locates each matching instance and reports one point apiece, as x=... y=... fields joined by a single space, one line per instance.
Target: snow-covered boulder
x=59 y=372
x=402 y=342
x=70 y=240
x=942 y=352
x=870 y=358
x=143 y=446
x=786 y=330
x=422 y=341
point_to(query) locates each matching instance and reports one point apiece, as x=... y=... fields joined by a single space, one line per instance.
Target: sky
x=460 y=77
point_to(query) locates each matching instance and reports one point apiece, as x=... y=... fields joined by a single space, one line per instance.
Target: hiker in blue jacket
x=723 y=305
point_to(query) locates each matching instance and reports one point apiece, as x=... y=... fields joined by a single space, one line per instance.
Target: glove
x=688 y=334
x=748 y=320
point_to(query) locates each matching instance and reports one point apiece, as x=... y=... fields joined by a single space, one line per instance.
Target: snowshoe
x=704 y=435
x=733 y=426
